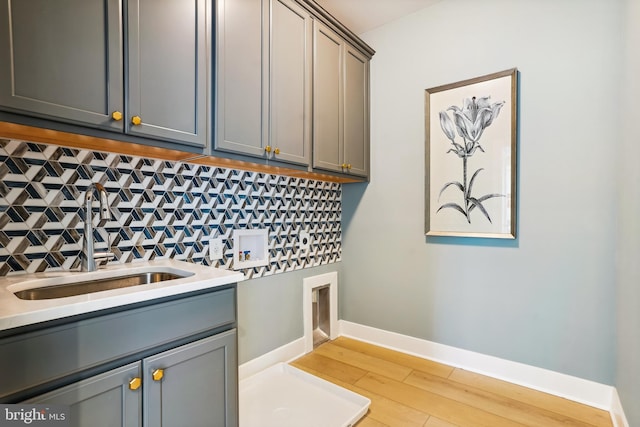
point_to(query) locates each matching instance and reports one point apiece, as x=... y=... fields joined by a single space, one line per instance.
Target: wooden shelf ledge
x=66 y=139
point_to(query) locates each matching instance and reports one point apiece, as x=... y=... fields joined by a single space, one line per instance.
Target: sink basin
x=97 y=285
x=33 y=298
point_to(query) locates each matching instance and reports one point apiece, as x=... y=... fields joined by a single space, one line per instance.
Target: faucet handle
x=102 y=258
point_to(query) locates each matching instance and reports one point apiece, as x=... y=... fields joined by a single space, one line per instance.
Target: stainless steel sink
x=90 y=286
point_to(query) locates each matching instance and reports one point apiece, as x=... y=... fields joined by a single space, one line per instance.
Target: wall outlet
x=215 y=248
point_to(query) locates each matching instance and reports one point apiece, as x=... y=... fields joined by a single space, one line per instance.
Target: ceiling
x=361 y=16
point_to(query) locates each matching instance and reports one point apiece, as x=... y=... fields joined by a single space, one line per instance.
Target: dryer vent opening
x=321 y=315
x=320 y=309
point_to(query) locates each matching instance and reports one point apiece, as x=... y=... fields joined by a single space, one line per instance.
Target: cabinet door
x=167 y=69
x=241 y=76
x=103 y=400
x=356 y=112
x=62 y=59
x=290 y=88
x=327 y=99
x=194 y=385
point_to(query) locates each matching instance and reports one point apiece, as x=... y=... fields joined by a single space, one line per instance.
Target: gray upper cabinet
x=290 y=76
x=241 y=76
x=63 y=59
x=168 y=45
x=340 y=105
x=288 y=85
x=356 y=112
x=263 y=80
x=89 y=62
x=328 y=140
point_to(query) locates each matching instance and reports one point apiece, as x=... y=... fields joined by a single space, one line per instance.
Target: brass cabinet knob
x=135 y=383
x=277 y=151
x=158 y=374
x=344 y=166
x=136 y=120
x=349 y=166
x=116 y=115
x=267 y=148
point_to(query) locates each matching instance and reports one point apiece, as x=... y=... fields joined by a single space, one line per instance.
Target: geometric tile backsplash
x=160 y=209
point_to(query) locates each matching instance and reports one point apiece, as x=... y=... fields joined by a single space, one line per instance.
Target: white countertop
x=15 y=312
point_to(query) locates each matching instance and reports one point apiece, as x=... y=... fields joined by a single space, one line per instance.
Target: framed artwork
x=471 y=129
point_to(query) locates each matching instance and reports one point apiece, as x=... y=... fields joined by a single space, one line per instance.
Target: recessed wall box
x=304 y=241
x=250 y=248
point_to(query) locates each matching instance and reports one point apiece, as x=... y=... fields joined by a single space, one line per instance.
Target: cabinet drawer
x=33 y=359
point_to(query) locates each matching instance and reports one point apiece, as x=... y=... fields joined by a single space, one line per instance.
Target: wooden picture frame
x=470 y=177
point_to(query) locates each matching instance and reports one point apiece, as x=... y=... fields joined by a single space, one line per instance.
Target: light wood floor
x=409 y=391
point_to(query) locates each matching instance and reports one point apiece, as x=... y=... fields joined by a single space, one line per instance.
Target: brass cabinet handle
x=267 y=148
x=277 y=151
x=136 y=120
x=344 y=166
x=135 y=383
x=158 y=374
x=349 y=166
x=116 y=116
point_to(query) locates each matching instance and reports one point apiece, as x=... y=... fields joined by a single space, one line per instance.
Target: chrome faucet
x=88 y=256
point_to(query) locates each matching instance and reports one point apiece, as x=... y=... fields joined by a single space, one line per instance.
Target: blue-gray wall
x=548 y=298
x=628 y=361
x=270 y=311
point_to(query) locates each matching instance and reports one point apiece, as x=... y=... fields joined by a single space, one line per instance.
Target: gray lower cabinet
x=142 y=69
x=170 y=363
x=194 y=384
x=103 y=400
x=340 y=105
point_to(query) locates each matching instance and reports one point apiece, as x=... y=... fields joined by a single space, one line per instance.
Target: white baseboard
x=286 y=353
x=577 y=389
x=566 y=386
x=617 y=413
